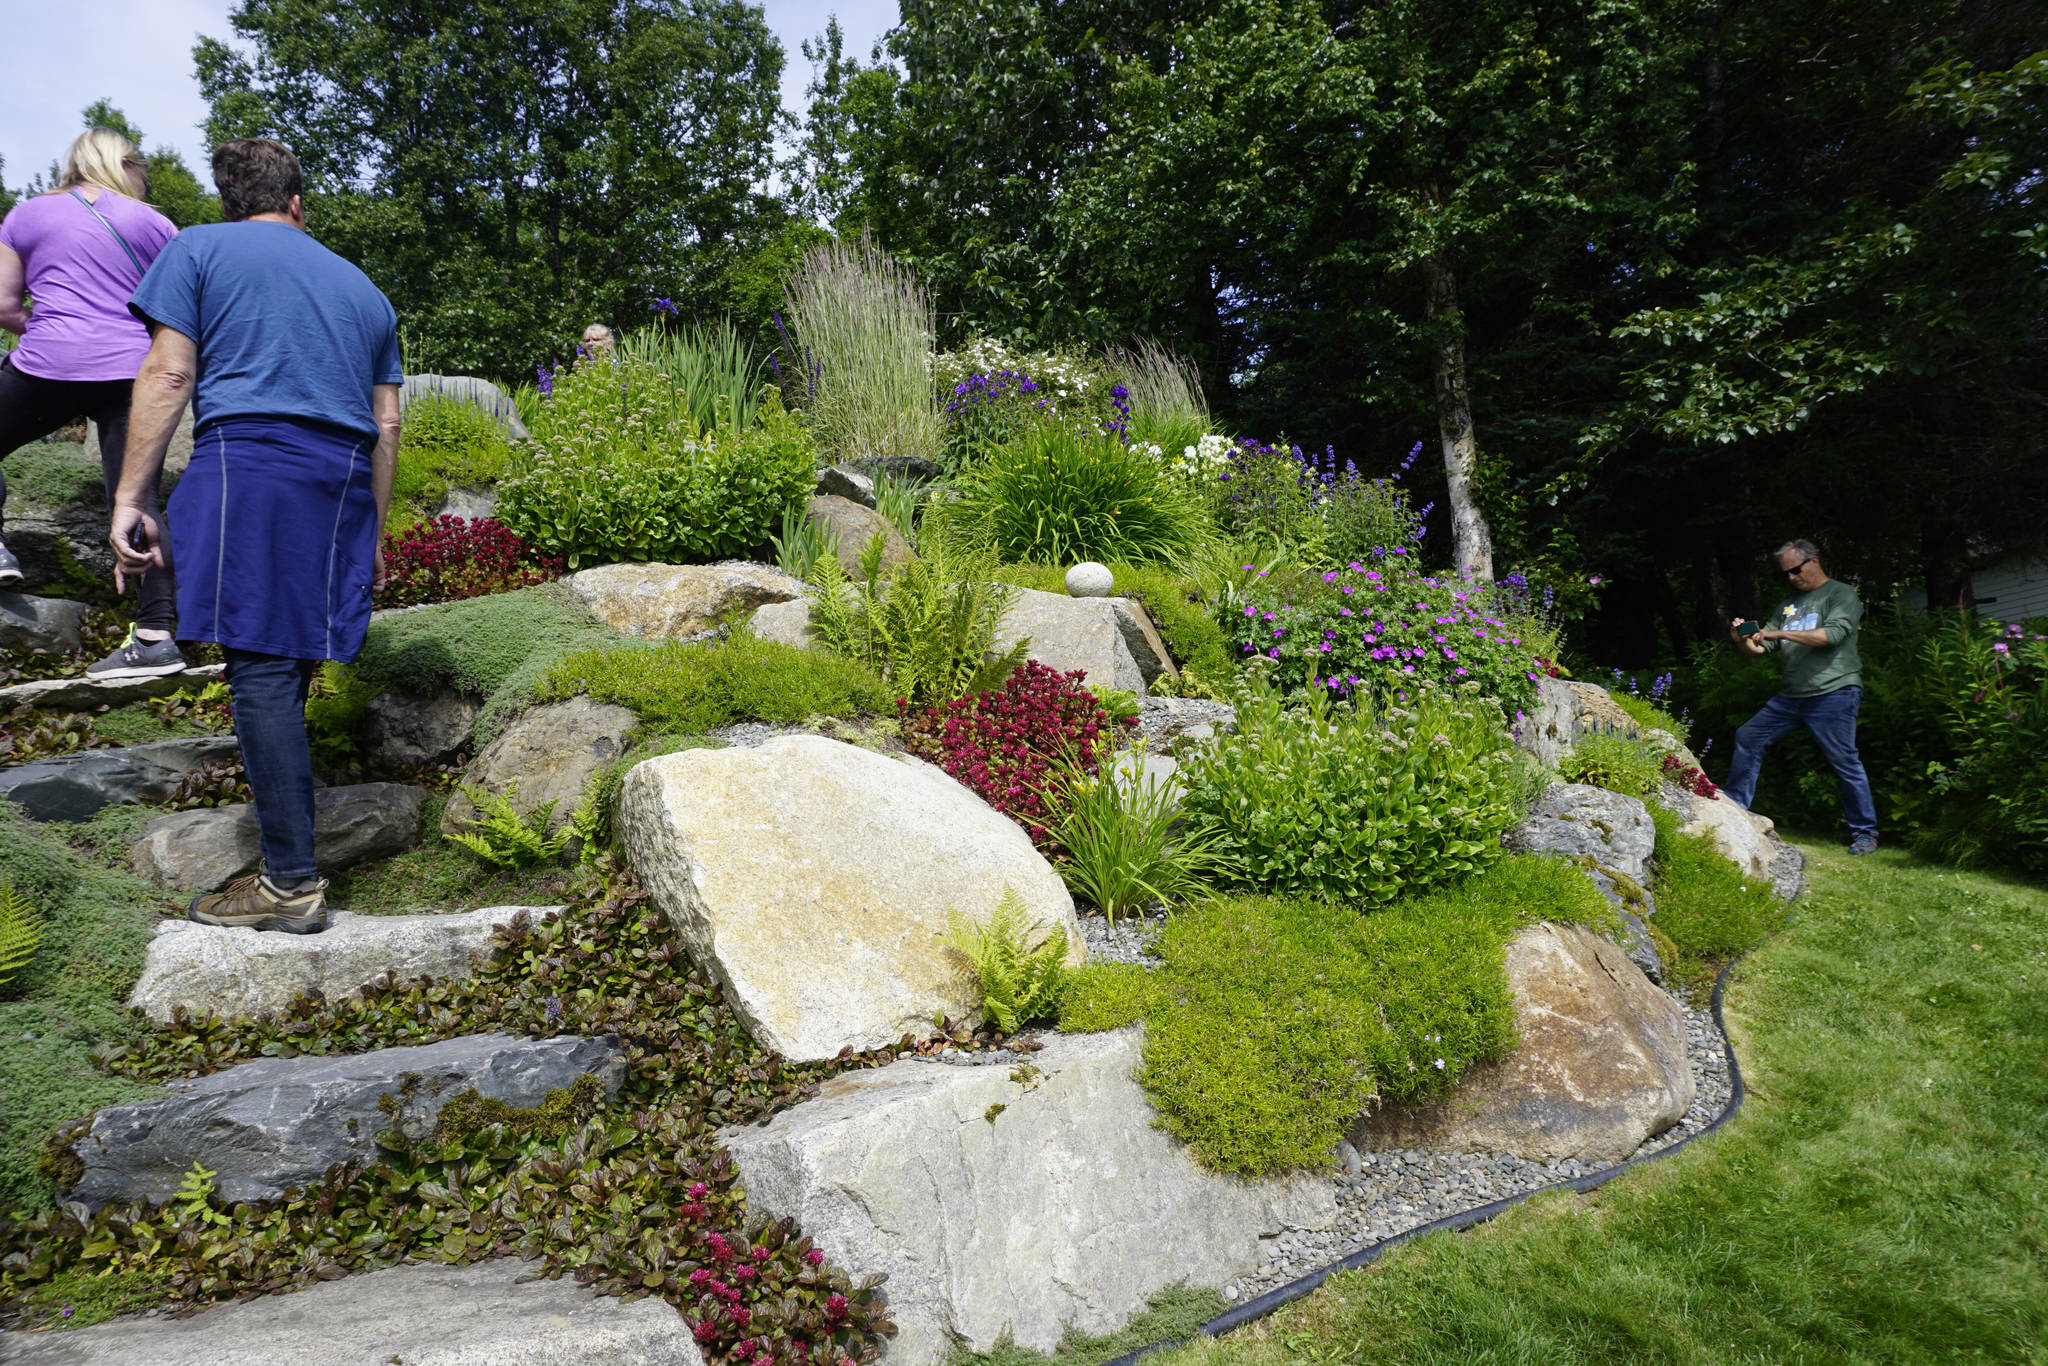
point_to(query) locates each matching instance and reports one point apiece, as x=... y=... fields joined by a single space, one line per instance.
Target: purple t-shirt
x=80 y=279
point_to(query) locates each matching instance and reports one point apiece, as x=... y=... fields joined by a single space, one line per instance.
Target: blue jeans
x=269 y=697
x=1831 y=719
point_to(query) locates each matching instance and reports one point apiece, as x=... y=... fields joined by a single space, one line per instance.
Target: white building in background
x=2010 y=590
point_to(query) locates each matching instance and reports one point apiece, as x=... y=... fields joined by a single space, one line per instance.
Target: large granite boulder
x=1111 y=640
x=1741 y=835
x=74 y=787
x=204 y=850
x=268 y=1125
x=87 y=694
x=407 y=730
x=1566 y=712
x=235 y=973
x=786 y=622
x=468 y=389
x=852 y=526
x=547 y=755
x=1010 y=1201
x=421 y=1315
x=53 y=625
x=1578 y=820
x=671 y=601
x=813 y=878
x=1600 y=1065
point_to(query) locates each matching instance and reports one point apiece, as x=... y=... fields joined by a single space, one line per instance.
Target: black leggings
x=32 y=407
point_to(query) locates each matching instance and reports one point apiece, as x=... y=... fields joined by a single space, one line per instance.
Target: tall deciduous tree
x=509 y=170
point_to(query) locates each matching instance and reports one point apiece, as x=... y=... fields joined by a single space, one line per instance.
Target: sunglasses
x=1793 y=572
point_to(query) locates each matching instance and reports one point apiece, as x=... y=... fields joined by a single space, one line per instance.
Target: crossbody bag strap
x=93 y=209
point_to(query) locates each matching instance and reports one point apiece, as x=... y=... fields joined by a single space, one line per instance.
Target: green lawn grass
x=1880 y=1198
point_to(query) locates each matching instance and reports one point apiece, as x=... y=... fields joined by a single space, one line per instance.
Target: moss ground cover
x=1707 y=910
x=696 y=687
x=435 y=876
x=1879 y=1198
x=1172 y=1314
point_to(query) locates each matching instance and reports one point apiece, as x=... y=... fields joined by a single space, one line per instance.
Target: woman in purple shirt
x=79 y=252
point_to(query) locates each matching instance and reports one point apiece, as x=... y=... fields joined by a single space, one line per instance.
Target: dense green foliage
x=929 y=628
x=1877 y=1199
x=1020 y=981
x=617 y=470
x=1707 y=908
x=1274 y=1024
x=1122 y=841
x=1059 y=497
x=1171 y=1316
x=445 y=443
x=671 y=685
x=1616 y=761
x=1354 y=804
x=861 y=329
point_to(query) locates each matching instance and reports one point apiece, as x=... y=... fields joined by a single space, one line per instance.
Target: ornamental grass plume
x=865 y=328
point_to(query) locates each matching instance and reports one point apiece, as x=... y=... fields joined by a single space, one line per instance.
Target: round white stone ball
x=1089 y=580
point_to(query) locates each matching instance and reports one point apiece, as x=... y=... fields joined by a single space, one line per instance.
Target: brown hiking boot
x=256 y=903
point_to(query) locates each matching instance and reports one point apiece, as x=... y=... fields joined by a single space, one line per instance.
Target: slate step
x=275 y=1123
x=422 y=1315
x=204 y=850
x=84 y=694
x=252 y=973
x=74 y=787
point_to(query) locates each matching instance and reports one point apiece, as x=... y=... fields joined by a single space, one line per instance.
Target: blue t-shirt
x=285 y=327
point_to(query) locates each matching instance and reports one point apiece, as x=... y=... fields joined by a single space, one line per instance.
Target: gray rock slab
x=204 y=850
x=547 y=755
x=1017 y=1200
x=52 y=625
x=268 y=1125
x=421 y=1315
x=242 y=972
x=73 y=787
x=909 y=469
x=1578 y=820
x=471 y=505
x=846 y=482
x=1111 y=640
x=84 y=694
x=1163 y=720
x=786 y=622
x=405 y=729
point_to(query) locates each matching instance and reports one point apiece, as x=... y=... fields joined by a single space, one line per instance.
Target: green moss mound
x=55 y=474
x=1708 y=910
x=675 y=686
x=1274 y=1024
x=69 y=999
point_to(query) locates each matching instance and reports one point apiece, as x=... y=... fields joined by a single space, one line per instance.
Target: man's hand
x=1751 y=643
x=127 y=559
x=377 y=572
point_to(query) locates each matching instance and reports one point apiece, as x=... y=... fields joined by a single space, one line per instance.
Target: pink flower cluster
x=1690 y=778
x=1005 y=742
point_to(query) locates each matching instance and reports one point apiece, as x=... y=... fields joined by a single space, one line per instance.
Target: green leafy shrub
x=612 y=474
x=929 y=630
x=1620 y=763
x=993 y=394
x=1058 y=497
x=690 y=687
x=27 y=735
x=445 y=442
x=1020 y=981
x=1383 y=627
x=802 y=543
x=1353 y=804
x=863 y=329
x=1707 y=908
x=21 y=932
x=503 y=838
x=1121 y=848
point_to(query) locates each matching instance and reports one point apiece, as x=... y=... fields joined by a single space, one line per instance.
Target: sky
x=138 y=53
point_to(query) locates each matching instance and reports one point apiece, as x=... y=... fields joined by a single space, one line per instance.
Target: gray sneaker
x=139 y=658
x=10 y=568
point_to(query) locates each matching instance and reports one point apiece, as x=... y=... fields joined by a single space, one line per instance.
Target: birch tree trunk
x=1471 y=542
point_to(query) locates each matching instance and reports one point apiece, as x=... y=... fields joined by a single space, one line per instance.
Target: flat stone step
x=423 y=1315
x=74 y=787
x=268 y=1125
x=84 y=694
x=253 y=973
x=203 y=850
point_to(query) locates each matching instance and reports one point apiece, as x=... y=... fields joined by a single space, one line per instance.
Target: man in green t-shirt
x=1813 y=633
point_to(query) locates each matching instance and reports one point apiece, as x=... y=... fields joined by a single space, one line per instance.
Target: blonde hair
x=100 y=157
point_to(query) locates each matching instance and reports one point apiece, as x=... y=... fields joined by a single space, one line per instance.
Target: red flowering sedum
x=451 y=558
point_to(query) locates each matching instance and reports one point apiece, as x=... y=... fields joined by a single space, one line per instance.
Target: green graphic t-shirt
x=1812 y=670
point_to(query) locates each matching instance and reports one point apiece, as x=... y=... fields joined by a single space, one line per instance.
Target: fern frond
x=1018 y=984
x=21 y=932
x=501 y=836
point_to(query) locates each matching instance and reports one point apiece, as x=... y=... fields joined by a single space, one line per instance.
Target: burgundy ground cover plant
x=451 y=558
x=1689 y=777
x=1005 y=743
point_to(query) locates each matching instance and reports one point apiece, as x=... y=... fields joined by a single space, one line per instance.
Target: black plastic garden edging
x=1296 y=1289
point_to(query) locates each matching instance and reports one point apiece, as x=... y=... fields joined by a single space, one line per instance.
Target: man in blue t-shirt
x=290 y=357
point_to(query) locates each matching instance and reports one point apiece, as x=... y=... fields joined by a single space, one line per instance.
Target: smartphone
x=1749 y=628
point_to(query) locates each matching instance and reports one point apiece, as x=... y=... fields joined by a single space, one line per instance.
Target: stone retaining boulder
x=812 y=877
x=1566 y=712
x=53 y=625
x=1741 y=835
x=1111 y=640
x=85 y=694
x=407 y=730
x=672 y=601
x=204 y=850
x=547 y=755
x=852 y=526
x=1016 y=1200
x=786 y=622
x=845 y=481
x=1578 y=820
x=420 y=1315
x=239 y=972
x=268 y=1125
x=468 y=389
x=74 y=787
x=1600 y=1067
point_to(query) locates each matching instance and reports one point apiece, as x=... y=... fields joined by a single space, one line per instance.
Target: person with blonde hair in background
x=597 y=340
x=80 y=251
